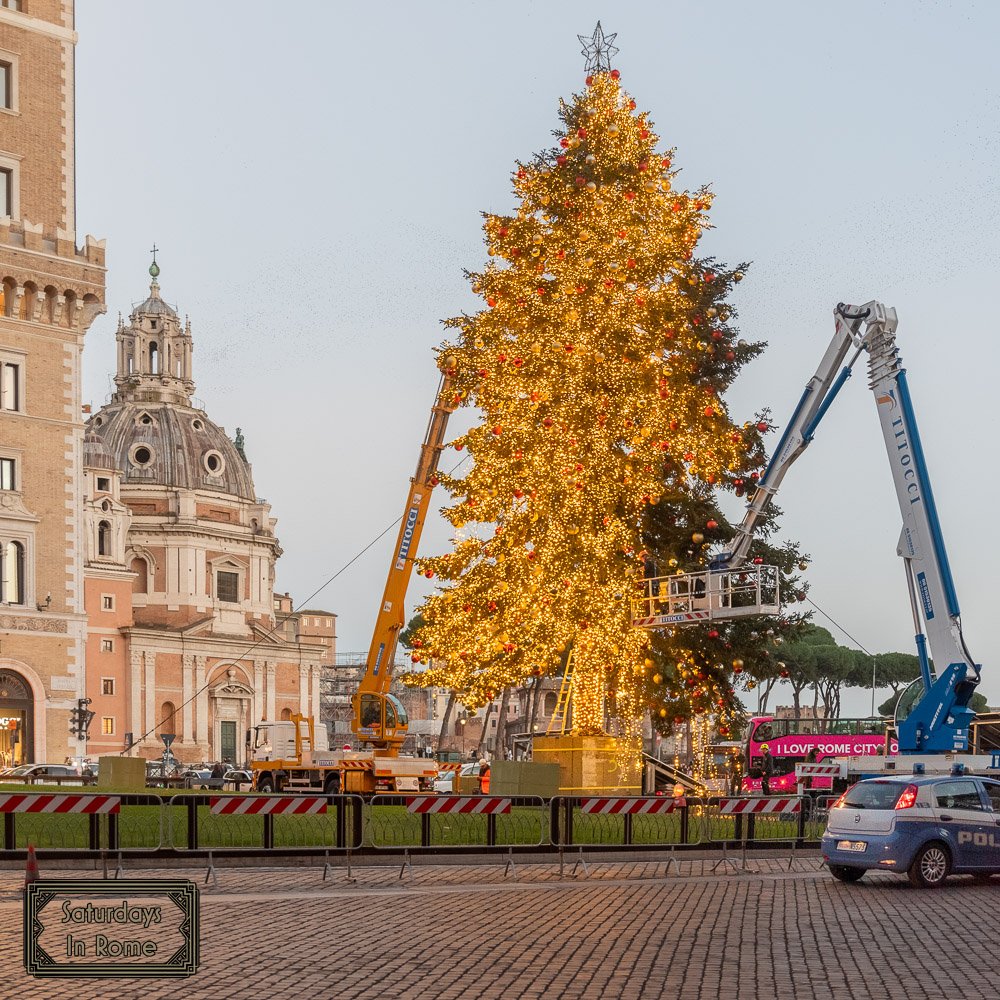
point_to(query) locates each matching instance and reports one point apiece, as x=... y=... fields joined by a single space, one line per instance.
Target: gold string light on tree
x=598 y=362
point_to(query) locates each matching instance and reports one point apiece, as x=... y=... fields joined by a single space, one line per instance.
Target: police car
x=928 y=827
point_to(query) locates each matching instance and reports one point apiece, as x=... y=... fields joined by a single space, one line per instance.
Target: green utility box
x=122 y=773
x=524 y=777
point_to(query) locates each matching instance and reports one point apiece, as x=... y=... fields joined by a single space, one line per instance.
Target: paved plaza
x=621 y=929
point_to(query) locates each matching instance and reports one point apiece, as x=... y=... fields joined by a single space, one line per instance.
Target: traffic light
x=79 y=718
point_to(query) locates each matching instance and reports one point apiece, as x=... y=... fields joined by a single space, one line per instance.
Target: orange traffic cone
x=31 y=867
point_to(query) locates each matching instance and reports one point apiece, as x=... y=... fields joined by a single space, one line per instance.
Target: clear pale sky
x=314 y=172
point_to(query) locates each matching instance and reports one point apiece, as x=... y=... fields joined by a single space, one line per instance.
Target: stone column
x=259 y=696
x=269 y=669
x=151 y=720
x=201 y=715
x=304 y=690
x=135 y=725
x=187 y=689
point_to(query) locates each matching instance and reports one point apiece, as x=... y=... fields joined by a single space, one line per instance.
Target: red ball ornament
x=498 y=430
x=630 y=262
x=547 y=422
x=717 y=335
x=713 y=634
x=709 y=411
x=665 y=164
x=466 y=607
x=414 y=657
x=758 y=561
x=762 y=426
x=631 y=105
x=615 y=75
x=581 y=133
x=644 y=133
x=459 y=446
x=737 y=670
x=434 y=480
x=580 y=181
x=590 y=81
x=561 y=160
x=503 y=230
x=730 y=355
x=629 y=195
x=518 y=362
x=429 y=574
x=564 y=142
x=711 y=525
x=785 y=673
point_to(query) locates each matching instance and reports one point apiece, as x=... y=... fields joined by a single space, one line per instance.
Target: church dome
x=160 y=443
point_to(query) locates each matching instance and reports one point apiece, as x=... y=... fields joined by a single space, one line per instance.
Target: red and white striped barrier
x=817 y=770
x=631 y=806
x=480 y=805
x=246 y=805
x=87 y=804
x=735 y=807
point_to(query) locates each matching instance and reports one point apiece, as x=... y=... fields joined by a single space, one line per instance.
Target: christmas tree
x=599 y=363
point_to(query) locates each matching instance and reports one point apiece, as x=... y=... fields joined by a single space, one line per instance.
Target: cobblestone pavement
x=622 y=929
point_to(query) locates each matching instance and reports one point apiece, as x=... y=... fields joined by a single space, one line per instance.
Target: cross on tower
x=154 y=268
x=598 y=50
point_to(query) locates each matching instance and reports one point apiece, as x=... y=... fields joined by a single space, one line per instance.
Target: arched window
x=550 y=702
x=168 y=720
x=139 y=566
x=154 y=358
x=11 y=573
x=286 y=715
x=104 y=539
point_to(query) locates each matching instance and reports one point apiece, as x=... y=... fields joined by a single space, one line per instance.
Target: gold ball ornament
x=697 y=538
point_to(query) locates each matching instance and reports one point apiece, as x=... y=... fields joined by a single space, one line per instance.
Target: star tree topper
x=598 y=50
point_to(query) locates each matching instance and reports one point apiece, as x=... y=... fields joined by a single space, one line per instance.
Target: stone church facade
x=179 y=565
x=136 y=563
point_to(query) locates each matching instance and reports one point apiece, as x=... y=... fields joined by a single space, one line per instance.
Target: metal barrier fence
x=754 y=819
x=624 y=821
x=441 y=821
x=264 y=822
x=245 y=824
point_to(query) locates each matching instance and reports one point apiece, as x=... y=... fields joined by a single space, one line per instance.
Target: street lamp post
x=873 y=687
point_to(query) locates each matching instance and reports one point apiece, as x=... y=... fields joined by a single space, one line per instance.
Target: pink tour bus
x=790 y=741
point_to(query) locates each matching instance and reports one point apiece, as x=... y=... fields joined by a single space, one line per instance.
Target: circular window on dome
x=145 y=419
x=214 y=463
x=197 y=425
x=142 y=455
x=98 y=421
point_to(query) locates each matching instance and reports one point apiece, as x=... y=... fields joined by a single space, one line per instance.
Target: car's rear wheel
x=846 y=873
x=931 y=865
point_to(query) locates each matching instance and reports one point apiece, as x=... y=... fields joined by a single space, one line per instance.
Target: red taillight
x=908 y=798
x=840 y=801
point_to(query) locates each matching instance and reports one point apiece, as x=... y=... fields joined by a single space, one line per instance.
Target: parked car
x=37 y=773
x=926 y=827
x=445 y=781
x=237 y=776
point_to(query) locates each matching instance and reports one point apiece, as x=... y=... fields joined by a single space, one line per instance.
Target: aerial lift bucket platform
x=710 y=595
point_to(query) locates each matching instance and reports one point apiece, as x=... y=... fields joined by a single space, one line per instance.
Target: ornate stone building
x=179 y=573
x=50 y=291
